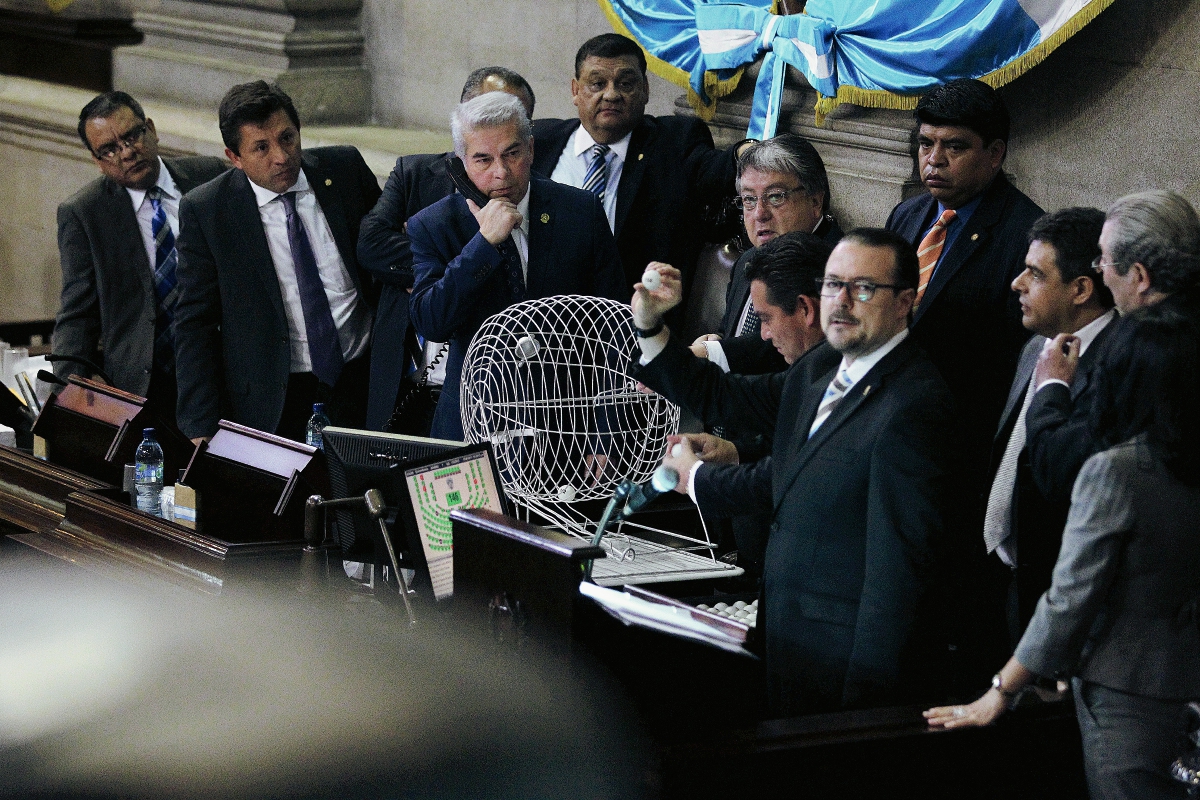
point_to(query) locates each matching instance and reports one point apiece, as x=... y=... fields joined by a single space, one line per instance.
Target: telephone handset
x=462 y=182
x=467 y=188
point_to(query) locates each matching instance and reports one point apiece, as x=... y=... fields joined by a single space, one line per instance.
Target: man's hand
x=680 y=457
x=649 y=306
x=199 y=440
x=497 y=219
x=698 y=348
x=984 y=711
x=1059 y=360
x=712 y=449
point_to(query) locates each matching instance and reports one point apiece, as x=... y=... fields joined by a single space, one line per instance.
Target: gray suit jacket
x=107 y=281
x=1122 y=609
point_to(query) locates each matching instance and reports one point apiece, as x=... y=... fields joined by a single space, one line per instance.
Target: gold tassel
x=58 y=5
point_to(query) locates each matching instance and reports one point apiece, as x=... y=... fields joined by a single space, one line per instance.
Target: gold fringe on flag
x=58 y=5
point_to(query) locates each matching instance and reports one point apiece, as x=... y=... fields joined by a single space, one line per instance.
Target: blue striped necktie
x=596 y=180
x=165 y=288
x=324 y=349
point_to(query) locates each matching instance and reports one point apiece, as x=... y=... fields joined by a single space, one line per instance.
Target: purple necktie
x=323 y=346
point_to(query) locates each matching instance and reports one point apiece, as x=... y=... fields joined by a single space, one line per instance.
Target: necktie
x=596 y=179
x=165 y=289
x=833 y=396
x=751 y=325
x=323 y=346
x=997 y=521
x=930 y=250
x=512 y=269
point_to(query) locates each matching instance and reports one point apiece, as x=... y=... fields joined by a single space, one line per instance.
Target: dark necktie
x=752 y=325
x=596 y=179
x=165 y=289
x=323 y=346
x=512 y=269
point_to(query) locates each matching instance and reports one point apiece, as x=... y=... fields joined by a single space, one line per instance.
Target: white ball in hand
x=677 y=450
x=651 y=279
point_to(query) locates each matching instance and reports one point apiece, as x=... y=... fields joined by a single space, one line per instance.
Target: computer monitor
x=360 y=460
x=464 y=478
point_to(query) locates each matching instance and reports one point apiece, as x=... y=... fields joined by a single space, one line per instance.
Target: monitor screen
x=462 y=479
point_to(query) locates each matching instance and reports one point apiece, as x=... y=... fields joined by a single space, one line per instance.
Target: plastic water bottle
x=316 y=424
x=148 y=477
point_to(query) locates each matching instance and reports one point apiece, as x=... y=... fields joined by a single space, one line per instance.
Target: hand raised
x=497 y=219
x=649 y=305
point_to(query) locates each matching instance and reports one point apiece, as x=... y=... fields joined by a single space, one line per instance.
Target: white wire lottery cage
x=545 y=382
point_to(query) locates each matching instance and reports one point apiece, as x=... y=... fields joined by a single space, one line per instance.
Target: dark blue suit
x=458 y=280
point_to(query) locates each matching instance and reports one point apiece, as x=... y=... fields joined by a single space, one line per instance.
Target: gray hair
x=1160 y=231
x=489 y=110
x=791 y=155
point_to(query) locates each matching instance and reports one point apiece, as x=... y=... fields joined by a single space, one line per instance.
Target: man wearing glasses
x=782 y=188
x=855 y=481
x=116 y=242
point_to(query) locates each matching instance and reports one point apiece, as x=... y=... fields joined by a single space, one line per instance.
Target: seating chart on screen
x=436 y=489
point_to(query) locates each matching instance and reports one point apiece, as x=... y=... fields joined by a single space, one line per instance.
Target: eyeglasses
x=774 y=199
x=1098 y=264
x=113 y=150
x=860 y=290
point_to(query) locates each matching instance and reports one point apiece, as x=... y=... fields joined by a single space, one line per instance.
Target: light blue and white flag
x=882 y=53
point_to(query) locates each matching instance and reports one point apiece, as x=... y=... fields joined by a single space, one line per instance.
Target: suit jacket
x=857 y=511
x=457 y=283
x=232 y=344
x=671 y=173
x=384 y=250
x=1037 y=518
x=1122 y=609
x=108 y=296
x=969 y=320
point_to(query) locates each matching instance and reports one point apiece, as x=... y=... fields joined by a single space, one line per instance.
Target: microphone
x=662 y=481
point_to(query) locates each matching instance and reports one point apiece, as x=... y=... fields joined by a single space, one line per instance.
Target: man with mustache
x=855 y=481
x=116 y=242
x=273 y=314
x=969 y=230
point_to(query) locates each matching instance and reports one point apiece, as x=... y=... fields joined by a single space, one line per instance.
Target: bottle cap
x=147 y=433
x=318 y=408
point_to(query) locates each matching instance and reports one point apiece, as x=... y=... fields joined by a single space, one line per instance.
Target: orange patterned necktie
x=930 y=250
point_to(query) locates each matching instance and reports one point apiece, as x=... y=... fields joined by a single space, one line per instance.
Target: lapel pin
x=866 y=391
x=545 y=218
x=974 y=237
x=640 y=156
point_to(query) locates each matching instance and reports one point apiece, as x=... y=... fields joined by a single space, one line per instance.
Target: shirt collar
x=863 y=364
x=964 y=212
x=1087 y=334
x=264 y=196
x=164 y=183
x=585 y=142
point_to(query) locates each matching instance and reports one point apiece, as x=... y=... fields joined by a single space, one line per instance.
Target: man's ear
x=811 y=308
x=1143 y=277
x=233 y=158
x=996 y=151
x=1083 y=289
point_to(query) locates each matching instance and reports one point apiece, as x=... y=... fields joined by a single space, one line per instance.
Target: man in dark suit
x=116 y=242
x=416 y=181
x=273 y=314
x=533 y=238
x=654 y=175
x=1060 y=293
x=782 y=187
x=855 y=479
x=969 y=230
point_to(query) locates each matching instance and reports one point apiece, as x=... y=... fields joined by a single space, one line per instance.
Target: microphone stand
x=372 y=500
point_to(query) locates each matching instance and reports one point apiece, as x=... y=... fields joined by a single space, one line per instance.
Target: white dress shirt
x=352 y=318
x=144 y=211
x=520 y=236
x=573 y=165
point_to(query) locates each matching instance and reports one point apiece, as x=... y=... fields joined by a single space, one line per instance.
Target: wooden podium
x=92 y=428
x=252 y=485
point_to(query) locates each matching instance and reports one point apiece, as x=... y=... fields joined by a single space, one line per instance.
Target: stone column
x=194 y=50
x=867 y=151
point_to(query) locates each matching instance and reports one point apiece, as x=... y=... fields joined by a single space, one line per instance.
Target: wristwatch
x=648 y=333
x=998 y=685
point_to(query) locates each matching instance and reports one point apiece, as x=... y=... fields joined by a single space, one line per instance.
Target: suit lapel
x=329 y=198
x=255 y=254
x=542 y=222
x=631 y=174
x=120 y=209
x=868 y=387
x=1083 y=374
x=1016 y=392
